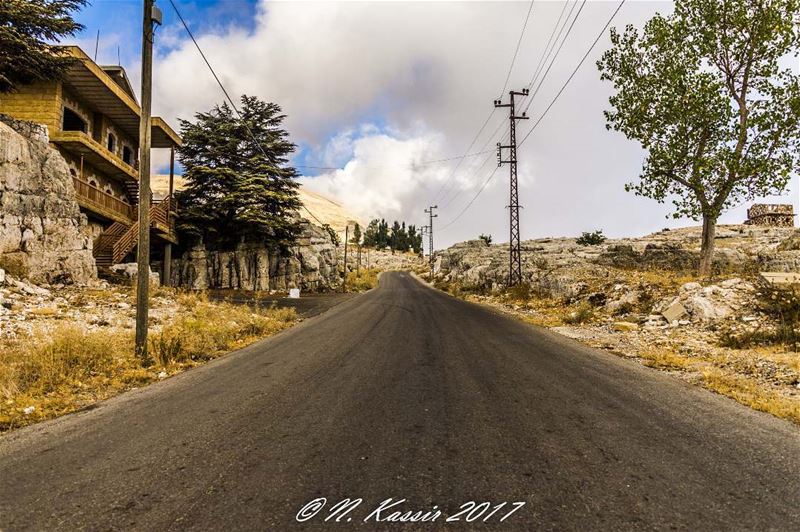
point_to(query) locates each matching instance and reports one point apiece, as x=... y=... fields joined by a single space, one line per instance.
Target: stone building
x=777 y=215
x=92 y=119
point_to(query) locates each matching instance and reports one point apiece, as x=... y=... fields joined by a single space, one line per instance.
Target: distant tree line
x=398 y=237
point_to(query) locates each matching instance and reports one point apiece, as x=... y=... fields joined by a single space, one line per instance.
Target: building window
x=112 y=143
x=127 y=155
x=72 y=121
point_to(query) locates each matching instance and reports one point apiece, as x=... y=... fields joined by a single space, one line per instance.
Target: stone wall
x=772 y=215
x=310 y=265
x=41 y=227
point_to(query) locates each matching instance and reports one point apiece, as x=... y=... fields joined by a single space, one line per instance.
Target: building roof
x=113 y=96
x=118 y=74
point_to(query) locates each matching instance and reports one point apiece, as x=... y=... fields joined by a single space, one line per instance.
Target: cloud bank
x=375 y=90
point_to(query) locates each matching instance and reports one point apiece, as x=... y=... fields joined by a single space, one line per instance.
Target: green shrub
x=519 y=292
x=582 y=314
x=591 y=239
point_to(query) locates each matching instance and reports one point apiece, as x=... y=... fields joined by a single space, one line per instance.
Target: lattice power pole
x=429 y=211
x=514 y=248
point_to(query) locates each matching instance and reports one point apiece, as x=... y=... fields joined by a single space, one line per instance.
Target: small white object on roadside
x=294 y=293
x=28 y=410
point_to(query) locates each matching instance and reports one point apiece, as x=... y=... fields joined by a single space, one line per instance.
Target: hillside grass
x=67 y=368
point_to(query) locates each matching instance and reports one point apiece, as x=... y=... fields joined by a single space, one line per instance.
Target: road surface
x=405 y=393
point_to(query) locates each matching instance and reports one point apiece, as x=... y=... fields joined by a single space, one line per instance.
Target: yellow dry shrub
x=61 y=370
x=363 y=280
x=749 y=393
x=66 y=354
x=212 y=328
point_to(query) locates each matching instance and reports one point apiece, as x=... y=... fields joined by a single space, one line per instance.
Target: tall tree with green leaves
x=703 y=92
x=28 y=29
x=415 y=239
x=236 y=189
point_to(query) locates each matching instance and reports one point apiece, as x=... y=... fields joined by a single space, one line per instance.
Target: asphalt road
x=407 y=393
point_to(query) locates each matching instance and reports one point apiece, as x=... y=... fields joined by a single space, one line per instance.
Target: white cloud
x=427 y=74
x=381 y=177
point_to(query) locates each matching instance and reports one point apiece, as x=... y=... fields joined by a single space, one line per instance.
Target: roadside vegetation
x=363 y=280
x=64 y=368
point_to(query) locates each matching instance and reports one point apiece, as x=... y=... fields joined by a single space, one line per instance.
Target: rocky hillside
x=560 y=267
x=42 y=232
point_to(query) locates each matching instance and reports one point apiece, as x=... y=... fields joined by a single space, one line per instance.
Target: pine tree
x=414 y=239
x=27 y=30
x=394 y=237
x=371 y=234
x=235 y=191
x=383 y=234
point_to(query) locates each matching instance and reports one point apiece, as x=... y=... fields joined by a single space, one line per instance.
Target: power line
x=412 y=164
x=450 y=178
x=472 y=143
x=599 y=36
x=468 y=205
x=549 y=46
x=477 y=169
x=230 y=100
x=555 y=56
x=546 y=51
x=516 y=51
x=583 y=59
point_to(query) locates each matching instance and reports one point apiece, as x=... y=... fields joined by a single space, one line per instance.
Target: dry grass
x=749 y=393
x=666 y=359
x=67 y=368
x=365 y=279
x=728 y=381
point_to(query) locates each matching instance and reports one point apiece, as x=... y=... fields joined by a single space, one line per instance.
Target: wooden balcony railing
x=103 y=202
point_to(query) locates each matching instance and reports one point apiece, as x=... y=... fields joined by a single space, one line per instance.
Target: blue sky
x=120 y=19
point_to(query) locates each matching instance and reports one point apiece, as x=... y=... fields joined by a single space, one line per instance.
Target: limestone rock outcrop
x=556 y=267
x=41 y=226
x=311 y=265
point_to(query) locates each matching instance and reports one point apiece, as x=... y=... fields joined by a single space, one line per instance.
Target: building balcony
x=93 y=199
x=162 y=212
x=92 y=152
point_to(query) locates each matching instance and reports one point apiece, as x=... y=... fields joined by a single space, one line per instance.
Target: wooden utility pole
x=344 y=279
x=143 y=246
x=514 y=247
